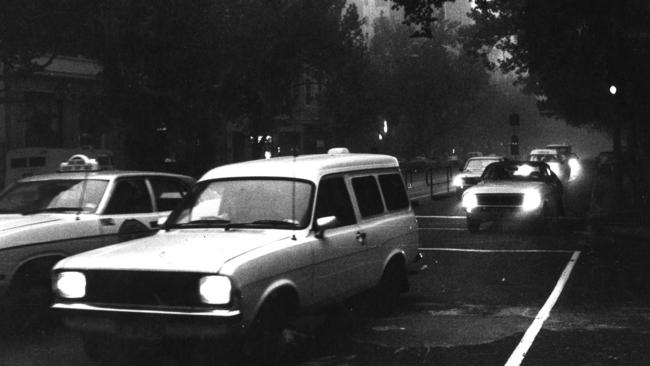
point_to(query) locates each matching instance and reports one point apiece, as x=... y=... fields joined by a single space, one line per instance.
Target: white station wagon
x=45 y=218
x=254 y=244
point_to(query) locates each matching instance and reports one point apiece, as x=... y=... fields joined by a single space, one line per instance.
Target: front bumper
x=498 y=213
x=150 y=325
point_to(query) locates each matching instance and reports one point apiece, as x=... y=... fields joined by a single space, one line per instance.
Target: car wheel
x=550 y=218
x=263 y=342
x=473 y=225
x=393 y=282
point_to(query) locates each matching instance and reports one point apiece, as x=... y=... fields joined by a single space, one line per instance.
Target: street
x=476 y=297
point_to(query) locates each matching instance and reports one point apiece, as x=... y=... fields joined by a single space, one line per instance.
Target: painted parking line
x=440 y=217
x=527 y=340
x=469 y=250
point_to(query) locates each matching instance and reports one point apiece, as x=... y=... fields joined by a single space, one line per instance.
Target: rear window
x=393 y=190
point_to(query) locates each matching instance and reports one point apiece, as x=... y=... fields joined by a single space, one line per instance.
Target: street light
x=613 y=89
x=385 y=127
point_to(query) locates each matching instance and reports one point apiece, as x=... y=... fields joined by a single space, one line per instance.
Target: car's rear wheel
x=393 y=282
x=473 y=225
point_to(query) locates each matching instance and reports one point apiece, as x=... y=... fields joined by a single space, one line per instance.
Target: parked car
x=45 y=218
x=513 y=190
x=253 y=245
x=471 y=172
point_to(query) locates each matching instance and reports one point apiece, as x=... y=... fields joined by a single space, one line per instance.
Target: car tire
x=393 y=282
x=263 y=342
x=550 y=219
x=473 y=225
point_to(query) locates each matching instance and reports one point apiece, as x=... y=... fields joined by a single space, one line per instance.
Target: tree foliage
x=422 y=86
x=567 y=52
x=192 y=65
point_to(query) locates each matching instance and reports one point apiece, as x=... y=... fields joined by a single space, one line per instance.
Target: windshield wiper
x=262 y=223
x=53 y=209
x=203 y=222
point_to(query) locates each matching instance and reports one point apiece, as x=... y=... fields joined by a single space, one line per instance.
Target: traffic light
x=514 y=145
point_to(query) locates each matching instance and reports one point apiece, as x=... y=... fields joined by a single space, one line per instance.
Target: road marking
x=522 y=348
x=440 y=217
x=469 y=250
x=442 y=228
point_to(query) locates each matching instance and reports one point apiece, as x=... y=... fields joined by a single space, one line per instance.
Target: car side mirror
x=324 y=223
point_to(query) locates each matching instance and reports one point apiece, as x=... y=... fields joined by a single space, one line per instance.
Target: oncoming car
x=558 y=162
x=511 y=190
x=471 y=173
x=253 y=245
x=45 y=218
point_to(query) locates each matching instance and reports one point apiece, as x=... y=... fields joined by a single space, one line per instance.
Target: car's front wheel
x=262 y=344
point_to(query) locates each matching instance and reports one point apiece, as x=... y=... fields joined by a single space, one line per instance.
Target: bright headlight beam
x=458 y=181
x=469 y=201
x=215 y=290
x=70 y=285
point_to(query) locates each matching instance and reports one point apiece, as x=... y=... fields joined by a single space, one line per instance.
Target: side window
x=333 y=200
x=368 y=197
x=392 y=187
x=167 y=193
x=129 y=196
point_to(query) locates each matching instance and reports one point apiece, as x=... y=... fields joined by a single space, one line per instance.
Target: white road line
x=442 y=228
x=469 y=250
x=440 y=217
x=522 y=348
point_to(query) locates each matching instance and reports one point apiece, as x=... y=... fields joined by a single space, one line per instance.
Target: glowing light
x=613 y=90
x=532 y=200
x=385 y=127
x=469 y=201
x=381 y=137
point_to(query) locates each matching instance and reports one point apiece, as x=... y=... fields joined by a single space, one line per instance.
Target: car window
x=53 y=195
x=392 y=187
x=334 y=200
x=274 y=203
x=368 y=197
x=512 y=172
x=167 y=193
x=129 y=196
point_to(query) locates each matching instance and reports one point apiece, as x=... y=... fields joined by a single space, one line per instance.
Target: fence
x=431 y=179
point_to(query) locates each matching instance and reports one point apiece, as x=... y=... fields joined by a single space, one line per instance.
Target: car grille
x=502 y=199
x=140 y=288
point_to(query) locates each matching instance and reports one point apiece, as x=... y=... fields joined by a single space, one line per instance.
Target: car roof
x=309 y=167
x=102 y=174
x=486 y=157
x=544 y=152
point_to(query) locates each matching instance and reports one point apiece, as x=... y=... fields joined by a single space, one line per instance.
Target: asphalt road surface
x=508 y=295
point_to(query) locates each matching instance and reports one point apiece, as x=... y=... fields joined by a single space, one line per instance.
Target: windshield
x=268 y=203
x=53 y=196
x=478 y=164
x=544 y=157
x=512 y=172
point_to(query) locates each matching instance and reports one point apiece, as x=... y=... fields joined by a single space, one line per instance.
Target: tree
x=189 y=66
x=422 y=86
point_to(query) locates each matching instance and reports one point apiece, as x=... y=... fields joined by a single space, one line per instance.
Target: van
x=254 y=245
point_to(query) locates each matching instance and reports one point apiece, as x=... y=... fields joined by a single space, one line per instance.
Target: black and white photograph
x=324 y=182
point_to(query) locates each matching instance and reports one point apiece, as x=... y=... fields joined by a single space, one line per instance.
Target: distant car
x=253 y=245
x=471 y=172
x=473 y=154
x=560 y=148
x=514 y=190
x=558 y=162
x=44 y=218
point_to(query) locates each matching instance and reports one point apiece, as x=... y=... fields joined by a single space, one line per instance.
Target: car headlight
x=458 y=181
x=215 y=290
x=70 y=284
x=532 y=200
x=469 y=201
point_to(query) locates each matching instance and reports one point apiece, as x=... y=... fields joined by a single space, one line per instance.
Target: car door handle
x=107 y=222
x=361 y=237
